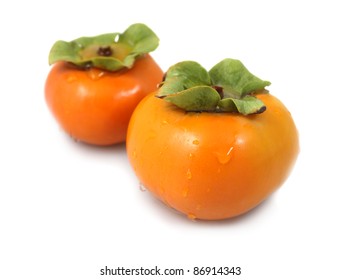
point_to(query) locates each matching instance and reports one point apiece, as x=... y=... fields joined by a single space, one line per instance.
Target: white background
x=67 y=210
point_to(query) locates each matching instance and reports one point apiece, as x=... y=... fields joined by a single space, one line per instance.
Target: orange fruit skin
x=211 y=166
x=94 y=106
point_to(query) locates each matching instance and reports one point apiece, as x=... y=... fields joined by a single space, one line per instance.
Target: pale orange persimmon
x=211 y=165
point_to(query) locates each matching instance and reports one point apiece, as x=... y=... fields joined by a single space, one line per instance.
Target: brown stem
x=220 y=90
x=105 y=51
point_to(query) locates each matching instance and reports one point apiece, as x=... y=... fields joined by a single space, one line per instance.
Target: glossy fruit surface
x=94 y=105
x=208 y=165
x=96 y=82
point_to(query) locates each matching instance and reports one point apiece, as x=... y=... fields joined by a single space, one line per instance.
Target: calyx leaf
x=198 y=98
x=227 y=87
x=182 y=76
x=111 y=51
x=232 y=74
x=246 y=105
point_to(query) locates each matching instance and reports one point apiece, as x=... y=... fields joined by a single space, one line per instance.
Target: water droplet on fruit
x=142 y=187
x=95 y=74
x=152 y=134
x=117 y=38
x=196 y=142
x=71 y=79
x=224 y=157
x=191 y=216
x=185 y=192
x=189 y=174
x=190 y=155
x=164 y=122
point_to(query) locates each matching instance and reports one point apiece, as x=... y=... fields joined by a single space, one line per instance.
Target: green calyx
x=227 y=87
x=112 y=51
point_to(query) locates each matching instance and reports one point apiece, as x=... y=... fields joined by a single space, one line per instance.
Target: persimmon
x=96 y=83
x=212 y=145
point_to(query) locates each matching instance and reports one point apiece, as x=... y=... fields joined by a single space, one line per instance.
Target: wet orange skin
x=94 y=106
x=211 y=166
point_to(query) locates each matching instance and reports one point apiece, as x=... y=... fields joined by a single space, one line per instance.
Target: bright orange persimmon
x=94 y=106
x=211 y=165
x=93 y=91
